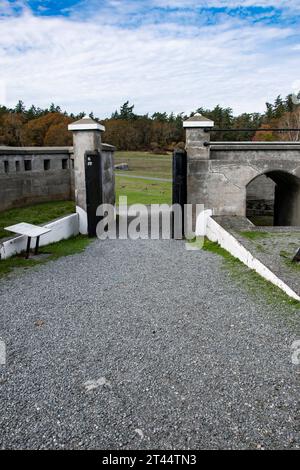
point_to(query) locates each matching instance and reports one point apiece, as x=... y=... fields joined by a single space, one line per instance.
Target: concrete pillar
x=198 y=153
x=86 y=137
x=197 y=135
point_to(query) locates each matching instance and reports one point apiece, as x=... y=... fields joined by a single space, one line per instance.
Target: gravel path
x=142 y=344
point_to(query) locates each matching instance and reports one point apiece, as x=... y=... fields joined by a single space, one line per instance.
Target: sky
x=161 y=55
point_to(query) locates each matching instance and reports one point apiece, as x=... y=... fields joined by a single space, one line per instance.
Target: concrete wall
x=260 y=196
x=31 y=175
x=39 y=174
x=220 y=181
x=83 y=142
x=108 y=175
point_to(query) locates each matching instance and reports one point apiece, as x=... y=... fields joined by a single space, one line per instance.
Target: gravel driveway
x=142 y=344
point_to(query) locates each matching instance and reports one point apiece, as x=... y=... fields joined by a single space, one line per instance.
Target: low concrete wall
x=207 y=226
x=29 y=175
x=32 y=175
x=61 y=229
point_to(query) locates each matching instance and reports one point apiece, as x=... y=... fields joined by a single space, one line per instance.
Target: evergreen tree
x=20 y=108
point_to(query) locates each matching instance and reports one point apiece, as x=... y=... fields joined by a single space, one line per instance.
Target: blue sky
x=138 y=12
x=173 y=55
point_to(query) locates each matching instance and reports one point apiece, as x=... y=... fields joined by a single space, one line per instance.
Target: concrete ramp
x=272 y=247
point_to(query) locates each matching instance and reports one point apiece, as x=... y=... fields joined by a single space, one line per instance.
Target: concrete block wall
x=32 y=175
x=260 y=196
x=29 y=175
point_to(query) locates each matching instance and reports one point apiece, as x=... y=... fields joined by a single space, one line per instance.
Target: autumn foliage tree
x=11 y=127
x=160 y=132
x=51 y=129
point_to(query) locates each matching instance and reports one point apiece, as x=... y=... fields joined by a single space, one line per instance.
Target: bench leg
x=37 y=245
x=28 y=247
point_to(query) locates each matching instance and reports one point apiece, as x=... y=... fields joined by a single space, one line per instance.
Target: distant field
x=144 y=191
x=146 y=164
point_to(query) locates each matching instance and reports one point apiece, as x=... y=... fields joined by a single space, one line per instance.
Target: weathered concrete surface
x=219 y=176
x=145 y=336
x=108 y=175
x=84 y=141
x=260 y=197
x=275 y=247
x=19 y=187
x=87 y=137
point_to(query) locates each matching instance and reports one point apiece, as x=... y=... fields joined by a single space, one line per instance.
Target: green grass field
x=36 y=214
x=146 y=164
x=144 y=191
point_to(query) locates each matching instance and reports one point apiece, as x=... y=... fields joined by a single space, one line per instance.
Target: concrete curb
x=61 y=229
x=207 y=226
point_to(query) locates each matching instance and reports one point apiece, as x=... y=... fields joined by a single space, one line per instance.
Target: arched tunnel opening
x=273 y=198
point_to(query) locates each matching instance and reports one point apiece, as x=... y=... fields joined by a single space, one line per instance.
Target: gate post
x=198 y=153
x=86 y=138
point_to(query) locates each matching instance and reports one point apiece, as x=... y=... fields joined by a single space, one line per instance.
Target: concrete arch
x=286 y=198
x=219 y=173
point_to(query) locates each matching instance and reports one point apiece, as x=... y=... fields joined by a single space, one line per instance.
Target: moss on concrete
x=254 y=235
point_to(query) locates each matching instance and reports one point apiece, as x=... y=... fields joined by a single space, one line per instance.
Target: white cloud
x=8 y=8
x=226 y=3
x=83 y=65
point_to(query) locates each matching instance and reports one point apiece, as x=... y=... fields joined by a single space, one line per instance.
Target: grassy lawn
x=146 y=164
x=36 y=214
x=55 y=251
x=143 y=191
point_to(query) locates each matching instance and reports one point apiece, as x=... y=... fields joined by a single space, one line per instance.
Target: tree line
x=159 y=132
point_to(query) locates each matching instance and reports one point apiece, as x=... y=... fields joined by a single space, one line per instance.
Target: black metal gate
x=93 y=181
x=179 y=195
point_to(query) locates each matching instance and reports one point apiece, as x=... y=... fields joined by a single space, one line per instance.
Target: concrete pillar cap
x=198 y=121
x=86 y=124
